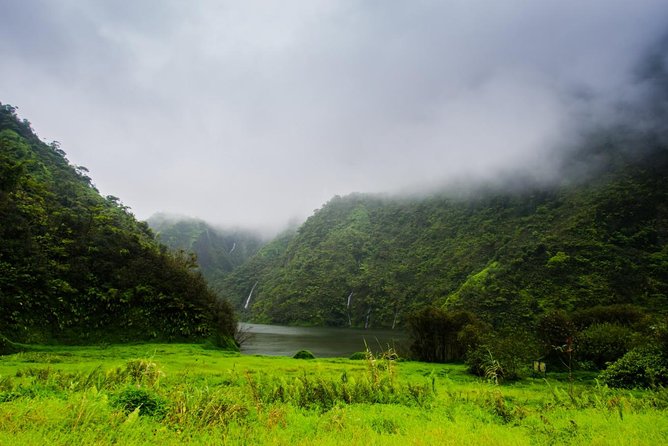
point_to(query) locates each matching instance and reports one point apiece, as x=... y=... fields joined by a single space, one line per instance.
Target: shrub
x=620 y=314
x=604 y=343
x=147 y=402
x=7 y=347
x=503 y=357
x=440 y=336
x=637 y=368
x=357 y=356
x=553 y=330
x=304 y=354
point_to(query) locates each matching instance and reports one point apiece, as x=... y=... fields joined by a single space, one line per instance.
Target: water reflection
x=323 y=342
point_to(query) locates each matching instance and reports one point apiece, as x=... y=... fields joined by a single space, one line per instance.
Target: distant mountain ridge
x=219 y=251
x=508 y=256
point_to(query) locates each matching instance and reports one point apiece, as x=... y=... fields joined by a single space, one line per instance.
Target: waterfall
x=350 y=296
x=233 y=248
x=368 y=315
x=249 y=296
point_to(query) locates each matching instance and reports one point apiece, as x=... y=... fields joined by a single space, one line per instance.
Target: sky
x=255 y=113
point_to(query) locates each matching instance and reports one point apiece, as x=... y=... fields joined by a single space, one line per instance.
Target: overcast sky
x=253 y=113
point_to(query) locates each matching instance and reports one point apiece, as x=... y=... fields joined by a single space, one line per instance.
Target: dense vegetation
x=181 y=394
x=219 y=251
x=77 y=267
x=509 y=257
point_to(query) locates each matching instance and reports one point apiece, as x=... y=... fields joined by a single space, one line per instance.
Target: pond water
x=323 y=342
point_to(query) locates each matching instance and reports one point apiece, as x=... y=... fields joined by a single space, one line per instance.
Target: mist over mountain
x=509 y=256
x=249 y=114
x=218 y=251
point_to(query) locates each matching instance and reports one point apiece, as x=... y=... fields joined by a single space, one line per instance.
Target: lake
x=323 y=342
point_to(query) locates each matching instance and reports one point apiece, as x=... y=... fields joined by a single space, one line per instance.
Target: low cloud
x=251 y=113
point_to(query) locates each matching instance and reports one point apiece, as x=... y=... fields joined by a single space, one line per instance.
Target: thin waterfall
x=350 y=296
x=234 y=246
x=368 y=316
x=249 y=296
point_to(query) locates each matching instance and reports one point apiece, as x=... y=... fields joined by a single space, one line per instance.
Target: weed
x=143 y=371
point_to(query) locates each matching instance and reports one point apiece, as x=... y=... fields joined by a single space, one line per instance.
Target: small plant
x=304 y=354
x=143 y=371
x=493 y=370
x=568 y=350
x=146 y=402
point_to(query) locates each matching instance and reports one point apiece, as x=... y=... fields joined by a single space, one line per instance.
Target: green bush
x=304 y=354
x=147 y=402
x=553 y=330
x=440 y=336
x=7 y=347
x=604 y=343
x=503 y=357
x=357 y=356
x=638 y=368
x=620 y=314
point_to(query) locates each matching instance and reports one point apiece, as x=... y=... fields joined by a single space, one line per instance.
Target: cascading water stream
x=249 y=296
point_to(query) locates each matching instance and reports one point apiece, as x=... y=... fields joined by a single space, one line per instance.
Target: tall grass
x=180 y=396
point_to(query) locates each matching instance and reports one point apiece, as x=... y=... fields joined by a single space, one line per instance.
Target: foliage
x=604 y=343
x=440 y=336
x=8 y=347
x=145 y=402
x=503 y=356
x=304 y=354
x=641 y=367
x=209 y=397
x=553 y=330
x=509 y=254
x=218 y=251
x=619 y=314
x=77 y=267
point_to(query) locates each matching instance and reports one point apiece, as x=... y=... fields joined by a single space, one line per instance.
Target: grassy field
x=186 y=394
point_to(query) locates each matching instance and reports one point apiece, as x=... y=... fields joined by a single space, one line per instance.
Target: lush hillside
x=219 y=251
x=77 y=267
x=508 y=256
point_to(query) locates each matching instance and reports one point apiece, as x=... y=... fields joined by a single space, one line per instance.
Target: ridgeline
x=509 y=255
x=76 y=267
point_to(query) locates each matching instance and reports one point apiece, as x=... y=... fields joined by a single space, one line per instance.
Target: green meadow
x=187 y=394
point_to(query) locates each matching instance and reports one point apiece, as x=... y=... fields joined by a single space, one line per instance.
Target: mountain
x=78 y=267
x=509 y=254
x=219 y=251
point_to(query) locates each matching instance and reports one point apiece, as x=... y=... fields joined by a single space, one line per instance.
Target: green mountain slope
x=508 y=256
x=218 y=251
x=77 y=267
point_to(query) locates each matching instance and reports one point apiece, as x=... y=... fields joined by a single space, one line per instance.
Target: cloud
x=253 y=112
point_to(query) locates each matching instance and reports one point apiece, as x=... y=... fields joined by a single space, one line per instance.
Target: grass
x=185 y=394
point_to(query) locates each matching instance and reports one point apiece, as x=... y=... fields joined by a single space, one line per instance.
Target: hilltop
x=77 y=267
x=509 y=254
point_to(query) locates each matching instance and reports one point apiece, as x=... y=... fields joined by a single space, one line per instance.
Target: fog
x=255 y=113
